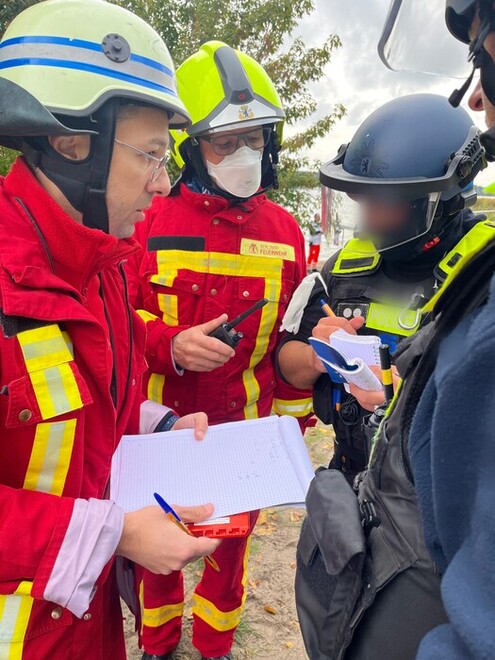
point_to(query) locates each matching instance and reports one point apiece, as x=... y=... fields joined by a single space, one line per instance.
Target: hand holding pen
x=155 y=542
x=175 y=518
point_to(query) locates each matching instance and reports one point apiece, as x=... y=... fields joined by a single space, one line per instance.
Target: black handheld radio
x=227 y=333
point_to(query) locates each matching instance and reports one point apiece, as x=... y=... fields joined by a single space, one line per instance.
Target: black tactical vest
x=357 y=286
x=385 y=304
x=352 y=547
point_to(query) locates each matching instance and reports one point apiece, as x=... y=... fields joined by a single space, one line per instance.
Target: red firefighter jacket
x=205 y=257
x=71 y=360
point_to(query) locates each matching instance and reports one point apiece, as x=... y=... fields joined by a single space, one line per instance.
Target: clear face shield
x=416 y=39
x=388 y=222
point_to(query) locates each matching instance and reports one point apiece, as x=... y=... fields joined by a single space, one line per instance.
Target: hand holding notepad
x=347 y=358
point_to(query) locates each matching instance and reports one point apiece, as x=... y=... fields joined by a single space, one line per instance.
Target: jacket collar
x=217 y=204
x=72 y=252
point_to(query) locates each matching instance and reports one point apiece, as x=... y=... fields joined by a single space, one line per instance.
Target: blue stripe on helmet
x=82 y=43
x=89 y=68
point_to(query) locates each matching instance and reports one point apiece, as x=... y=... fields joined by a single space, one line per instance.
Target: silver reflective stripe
x=9 y=54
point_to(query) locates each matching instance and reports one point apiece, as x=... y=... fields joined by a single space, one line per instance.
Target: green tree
x=263 y=29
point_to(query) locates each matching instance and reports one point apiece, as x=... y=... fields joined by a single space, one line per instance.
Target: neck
x=57 y=195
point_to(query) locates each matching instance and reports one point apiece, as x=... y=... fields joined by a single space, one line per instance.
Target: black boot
x=219 y=657
x=150 y=656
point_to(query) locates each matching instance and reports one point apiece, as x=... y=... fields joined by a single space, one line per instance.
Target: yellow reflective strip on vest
x=146 y=316
x=155 y=387
x=56 y=390
x=168 y=305
x=154 y=617
x=208 y=612
x=386 y=319
x=45 y=347
x=50 y=457
x=269 y=314
x=15 y=611
x=293 y=407
x=468 y=247
x=357 y=256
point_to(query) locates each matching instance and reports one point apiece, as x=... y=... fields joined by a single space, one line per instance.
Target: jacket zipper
x=113 y=382
x=129 y=319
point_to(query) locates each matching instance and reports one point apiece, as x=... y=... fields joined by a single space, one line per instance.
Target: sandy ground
x=269 y=629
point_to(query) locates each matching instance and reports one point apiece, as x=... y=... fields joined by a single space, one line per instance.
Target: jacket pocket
x=330 y=561
x=46 y=394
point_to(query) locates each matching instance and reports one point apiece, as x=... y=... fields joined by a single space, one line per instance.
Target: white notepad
x=363 y=347
x=238 y=467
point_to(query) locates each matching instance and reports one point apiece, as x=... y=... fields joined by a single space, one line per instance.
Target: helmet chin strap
x=83 y=183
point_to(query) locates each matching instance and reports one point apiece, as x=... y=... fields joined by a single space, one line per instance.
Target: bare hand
x=152 y=540
x=196 y=421
x=370 y=400
x=195 y=351
x=327 y=326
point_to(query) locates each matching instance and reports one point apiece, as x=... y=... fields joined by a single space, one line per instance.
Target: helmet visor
x=415 y=39
x=389 y=223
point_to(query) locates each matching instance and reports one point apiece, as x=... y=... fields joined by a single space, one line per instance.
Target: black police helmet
x=418 y=149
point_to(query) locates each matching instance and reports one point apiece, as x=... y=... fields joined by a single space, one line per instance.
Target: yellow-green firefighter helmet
x=223 y=88
x=68 y=57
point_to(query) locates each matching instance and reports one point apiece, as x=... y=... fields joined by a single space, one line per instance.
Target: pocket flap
x=46 y=394
x=335 y=519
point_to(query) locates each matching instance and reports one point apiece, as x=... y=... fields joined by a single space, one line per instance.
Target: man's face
x=478 y=100
x=378 y=217
x=130 y=188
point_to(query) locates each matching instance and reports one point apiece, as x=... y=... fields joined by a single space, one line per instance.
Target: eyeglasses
x=160 y=163
x=226 y=145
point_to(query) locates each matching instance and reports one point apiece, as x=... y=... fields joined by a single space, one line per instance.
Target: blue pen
x=166 y=507
x=175 y=518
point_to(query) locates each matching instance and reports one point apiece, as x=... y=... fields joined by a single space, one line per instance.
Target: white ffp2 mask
x=238 y=174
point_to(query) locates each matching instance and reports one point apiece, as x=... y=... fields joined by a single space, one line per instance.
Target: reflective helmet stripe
x=82 y=58
x=84 y=44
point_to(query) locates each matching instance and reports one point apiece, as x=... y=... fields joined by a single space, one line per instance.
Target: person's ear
x=72 y=147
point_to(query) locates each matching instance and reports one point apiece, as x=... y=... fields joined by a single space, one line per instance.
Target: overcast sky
x=356 y=76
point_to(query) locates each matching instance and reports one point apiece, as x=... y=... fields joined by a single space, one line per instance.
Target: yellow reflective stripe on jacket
x=466 y=249
x=169 y=262
x=51 y=456
x=156 y=383
x=45 y=347
x=269 y=314
x=146 y=316
x=56 y=390
x=234 y=265
x=208 y=612
x=47 y=352
x=293 y=407
x=15 y=611
x=357 y=256
x=169 y=307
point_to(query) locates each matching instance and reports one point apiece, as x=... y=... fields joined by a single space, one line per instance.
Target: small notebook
x=347 y=358
x=238 y=467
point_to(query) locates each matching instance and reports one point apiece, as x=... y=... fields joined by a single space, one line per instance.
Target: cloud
x=356 y=76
